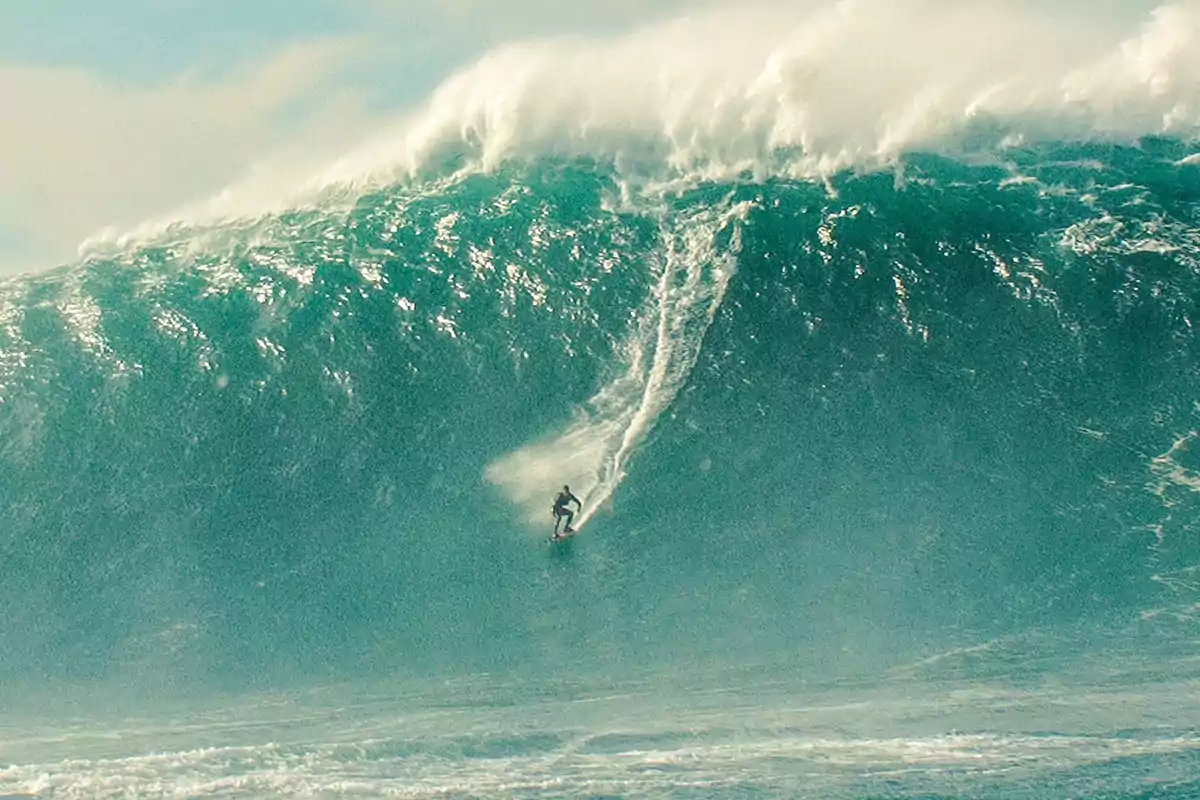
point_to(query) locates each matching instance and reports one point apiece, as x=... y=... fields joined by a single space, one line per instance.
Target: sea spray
x=696 y=262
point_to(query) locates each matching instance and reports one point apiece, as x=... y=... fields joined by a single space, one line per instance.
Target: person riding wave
x=562 y=511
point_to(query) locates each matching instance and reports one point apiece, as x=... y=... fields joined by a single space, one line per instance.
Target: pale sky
x=117 y=111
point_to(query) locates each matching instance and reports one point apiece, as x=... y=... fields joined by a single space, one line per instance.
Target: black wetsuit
x=561 y=510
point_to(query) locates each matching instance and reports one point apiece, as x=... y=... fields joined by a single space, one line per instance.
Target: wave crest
x=800 y=91
x=808 y=91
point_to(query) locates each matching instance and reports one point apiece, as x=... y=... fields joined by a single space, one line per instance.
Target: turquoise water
x=888 y=485
x=731 y=734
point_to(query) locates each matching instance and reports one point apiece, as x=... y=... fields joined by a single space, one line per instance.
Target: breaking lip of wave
x=797 y=90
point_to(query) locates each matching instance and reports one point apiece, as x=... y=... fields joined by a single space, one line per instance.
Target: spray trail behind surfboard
x=698 y=258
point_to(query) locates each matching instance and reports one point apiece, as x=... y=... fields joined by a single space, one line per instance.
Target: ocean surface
x=884 y=422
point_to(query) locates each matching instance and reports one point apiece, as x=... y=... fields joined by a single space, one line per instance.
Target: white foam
x=797 y=89
x=657 y=740
x=809 y=90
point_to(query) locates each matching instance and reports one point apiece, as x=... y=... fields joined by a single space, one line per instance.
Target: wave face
x=840 y=423
x=849 y=365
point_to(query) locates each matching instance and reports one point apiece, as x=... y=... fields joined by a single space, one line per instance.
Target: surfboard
x=558 y=537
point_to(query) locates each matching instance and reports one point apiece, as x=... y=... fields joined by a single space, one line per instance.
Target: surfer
x=561 y=511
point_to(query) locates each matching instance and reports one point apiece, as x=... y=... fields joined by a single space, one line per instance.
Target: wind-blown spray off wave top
x=782 y=89
x=850 y=359
x=777 y=90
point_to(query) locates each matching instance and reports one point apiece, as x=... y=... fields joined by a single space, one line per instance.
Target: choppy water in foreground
x=743 y=733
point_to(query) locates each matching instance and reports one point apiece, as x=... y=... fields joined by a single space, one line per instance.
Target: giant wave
x=853 y=361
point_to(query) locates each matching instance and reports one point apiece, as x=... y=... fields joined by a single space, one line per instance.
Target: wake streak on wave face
x=802 y=90
x=593 y=453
